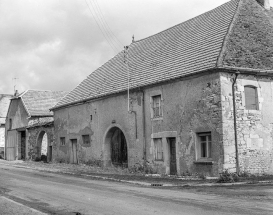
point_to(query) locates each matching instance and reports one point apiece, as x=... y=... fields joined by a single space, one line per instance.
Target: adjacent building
x=195 y=98
x=4 y=104
x=29 y=125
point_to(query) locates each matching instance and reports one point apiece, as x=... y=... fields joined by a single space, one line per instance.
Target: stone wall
x=254 y=127
x=190 y=106
x=34 y=141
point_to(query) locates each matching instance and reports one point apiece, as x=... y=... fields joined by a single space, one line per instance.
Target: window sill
x=158 y=118
x=204 y=162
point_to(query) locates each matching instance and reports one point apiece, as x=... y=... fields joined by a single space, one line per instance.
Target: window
x=251 y=98
x=62 y=141
x=86 y=139
x=10 y=124
x=204 y=145
x=157 y=112
x=158 y=149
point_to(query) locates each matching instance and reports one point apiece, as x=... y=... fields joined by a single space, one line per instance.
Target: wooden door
x=74 y=158
x=11 y=147
x=23 y=145
x=173 y=170
x=49 y=154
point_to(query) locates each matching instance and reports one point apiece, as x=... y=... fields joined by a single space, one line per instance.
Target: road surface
x=26 y=191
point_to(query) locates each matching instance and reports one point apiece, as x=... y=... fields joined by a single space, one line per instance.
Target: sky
x=55 y=44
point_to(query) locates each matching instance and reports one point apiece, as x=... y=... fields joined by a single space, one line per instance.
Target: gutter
x=235 y=122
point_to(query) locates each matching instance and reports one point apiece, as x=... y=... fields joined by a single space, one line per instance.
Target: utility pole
x=126 y=61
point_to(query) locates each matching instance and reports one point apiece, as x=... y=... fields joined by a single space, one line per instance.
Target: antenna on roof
x=14 y=86
x=133 y=38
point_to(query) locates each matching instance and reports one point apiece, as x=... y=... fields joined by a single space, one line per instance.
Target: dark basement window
x=86 y=139
x=62 y=141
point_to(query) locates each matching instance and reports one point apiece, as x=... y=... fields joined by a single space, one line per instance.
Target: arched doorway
x=42 y=146
x=117 y=146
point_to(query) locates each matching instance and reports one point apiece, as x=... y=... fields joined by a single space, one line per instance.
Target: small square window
x=158 y=149
x=156 y=106
x=204 y=146
x=85 y=139
x=62 y=141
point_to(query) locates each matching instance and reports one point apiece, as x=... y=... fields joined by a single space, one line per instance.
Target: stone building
x=195 y=98
x=4 y=105
x=29 y=125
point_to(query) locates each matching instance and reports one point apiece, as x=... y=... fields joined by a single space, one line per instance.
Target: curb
x=146 y=183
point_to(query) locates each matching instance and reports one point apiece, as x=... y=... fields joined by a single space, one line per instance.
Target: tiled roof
x=4 y=105
x=38 y=102
x=190 y=47
x=250 y=42
x=40 y=121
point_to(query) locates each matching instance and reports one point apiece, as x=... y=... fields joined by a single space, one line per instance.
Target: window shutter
x=251 y=98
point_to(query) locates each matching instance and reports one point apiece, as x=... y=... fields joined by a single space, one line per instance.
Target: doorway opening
x=172 y=145
x=74 y=155
x=42 y=145
x=22 y=145
x=116 y=141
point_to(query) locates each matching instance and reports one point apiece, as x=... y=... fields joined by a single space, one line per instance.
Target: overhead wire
x=105 y=36
x=104 y=20
x=106 y=31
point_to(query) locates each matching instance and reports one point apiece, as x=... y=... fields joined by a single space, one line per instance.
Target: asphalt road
x=25 y=191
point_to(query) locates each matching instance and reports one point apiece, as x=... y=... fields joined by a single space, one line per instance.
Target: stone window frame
x=255 y=92
x=164 y=135
x=198 y=157
x=158 y=150
x=62 y=141
x=251 y=83
x=86 y=138
x=152 y=95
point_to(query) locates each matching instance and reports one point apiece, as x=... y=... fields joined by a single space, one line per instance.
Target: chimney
x=264 y=3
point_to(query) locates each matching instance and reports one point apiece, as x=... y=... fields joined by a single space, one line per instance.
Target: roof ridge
x=46 y=90
x=219 y=62
x=183 y=22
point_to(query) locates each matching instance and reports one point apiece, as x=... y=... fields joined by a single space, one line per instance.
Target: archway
x=116 y=144
x=42 y=146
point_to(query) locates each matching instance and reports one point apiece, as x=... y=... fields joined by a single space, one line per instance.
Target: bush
x=227 y=177
x=37 y=159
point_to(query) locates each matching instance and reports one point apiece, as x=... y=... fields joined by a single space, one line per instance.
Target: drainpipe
x=235 y=122
x=144 y=129
x=135 y=113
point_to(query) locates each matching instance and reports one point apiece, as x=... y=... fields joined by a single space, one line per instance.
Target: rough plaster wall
x=73 y=122
x=189 y=107
x=33 y=134
x=2 y=136
x=254 y=127
x=18 y=115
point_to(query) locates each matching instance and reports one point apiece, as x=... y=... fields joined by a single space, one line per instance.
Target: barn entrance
x=22 y=143
x=42 y=145
x=118 y=147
